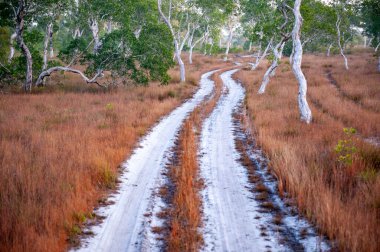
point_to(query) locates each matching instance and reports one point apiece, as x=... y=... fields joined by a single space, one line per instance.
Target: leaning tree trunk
x=341 y=48
x=176 y=45
x=262 y=56
x=51 y=70
x=272 y=69
x=377 y=47
x=24 y=48
x=12 y=49
x=328 y=50
x=304 y=109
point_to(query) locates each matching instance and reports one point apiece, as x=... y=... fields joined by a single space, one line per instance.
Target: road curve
x=124 y=223
x=230 y=214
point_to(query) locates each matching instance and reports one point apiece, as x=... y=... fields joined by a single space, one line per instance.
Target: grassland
x=60 y=149
x=342 y=198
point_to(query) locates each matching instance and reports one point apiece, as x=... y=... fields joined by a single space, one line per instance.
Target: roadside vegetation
x=82 y=81
x=341 y=195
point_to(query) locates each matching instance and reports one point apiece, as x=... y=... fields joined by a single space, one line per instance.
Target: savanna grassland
x=337 y=186
x=61 y=149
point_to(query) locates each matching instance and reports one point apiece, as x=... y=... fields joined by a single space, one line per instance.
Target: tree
x=305 y=111
x=179 y=41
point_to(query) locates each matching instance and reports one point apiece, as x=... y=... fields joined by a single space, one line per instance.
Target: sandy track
x=126 y=221
x=233 y=219
x=230 y=223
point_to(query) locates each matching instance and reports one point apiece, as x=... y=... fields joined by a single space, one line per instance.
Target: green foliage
x=345 y=148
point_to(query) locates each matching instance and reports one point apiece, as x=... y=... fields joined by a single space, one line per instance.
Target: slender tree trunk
x=229 y=41
x=51 y=70
x=328 y=50
x=24 y=48
x=211 y=47
x=250 y=46
x=48 y=36
x=304 y=109
x=377 y=47
x=95 y=34
x=191 y=55
x=272 y=69
x=11 y=49
x=176 y=45
x=259 y=57
x=339 y=42
x=109 y=26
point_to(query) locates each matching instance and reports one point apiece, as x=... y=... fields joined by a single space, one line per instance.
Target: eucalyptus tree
x=304 y=108
x=280 y=27
x=259 y=22
x=176 y=19
x=370 y=11
x=344 y=30
x=141 y=57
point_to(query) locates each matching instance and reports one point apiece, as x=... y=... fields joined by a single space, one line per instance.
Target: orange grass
x=344 y=201
x=60 y=151
x=185 y=212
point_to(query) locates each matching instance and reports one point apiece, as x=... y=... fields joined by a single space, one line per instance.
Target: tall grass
x=185 y=212
x=343 y=200
x=60 y=150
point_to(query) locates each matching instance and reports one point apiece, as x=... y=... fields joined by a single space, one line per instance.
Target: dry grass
x=60 y=150
x=185 y=213
x=343 y=200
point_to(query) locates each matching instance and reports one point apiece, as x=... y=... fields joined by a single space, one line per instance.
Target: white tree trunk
x=176 y=45
x=328 y=50
x=377 y=47
x=48 y=35
x=20 y=15
x=49 y=71
x=95 y=34
x=211 y=47
x=194 y=44
x=109 y=26
x=11 y=49
x=304 y=109
x=369 y=42
x=229 y=41
x=259 y=57
x=277 y=51
x=339 y=42
x=250 y=46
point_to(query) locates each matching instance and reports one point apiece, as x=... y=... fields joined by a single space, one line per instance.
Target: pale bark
x=377 y=47
x=48 y=35
x=11 y=49
x=95 y=34
x=250 y=46
x=341 y=48
x=277 y=51
x=260 y=56
x=229 y=41
x=77 y=33
x=176 y=43
x=49 y=71
x=193 y=44
x=304 y=109
x=328 y=50
x=24 y=48
x=211 y=47
x=109 y=26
